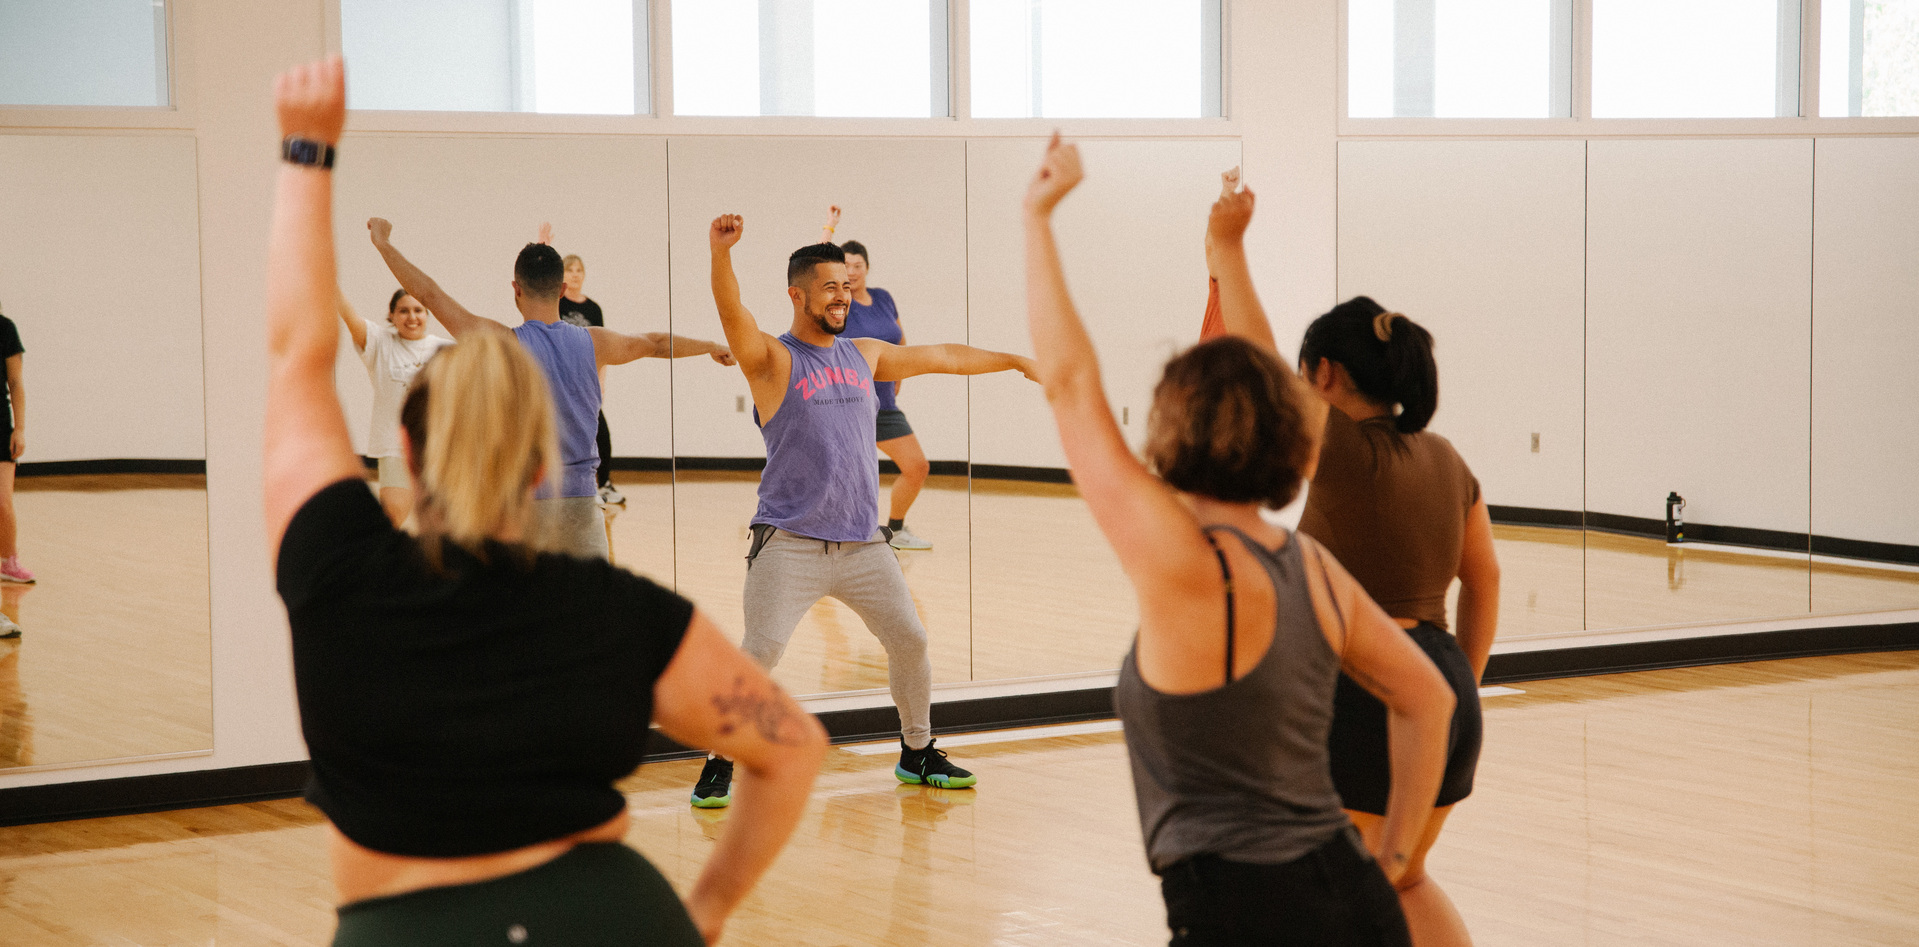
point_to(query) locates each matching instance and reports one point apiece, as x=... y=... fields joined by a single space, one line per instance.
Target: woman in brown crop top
x=1397 y=505
x=1230 y=433
x=468 y=701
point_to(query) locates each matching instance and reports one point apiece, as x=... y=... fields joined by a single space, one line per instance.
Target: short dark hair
x=394 y=303
x=539 y=271
x=800 y=264
x=1228 y=422
x=858 y=249
x=1396 y=371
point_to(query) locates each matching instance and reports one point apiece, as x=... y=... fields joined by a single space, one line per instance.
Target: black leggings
x=601 y=893
x=1332 y=895
x=1361 y=761
x=604 y=439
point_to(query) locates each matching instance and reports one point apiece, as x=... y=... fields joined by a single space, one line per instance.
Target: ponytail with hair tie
x=1383 y=325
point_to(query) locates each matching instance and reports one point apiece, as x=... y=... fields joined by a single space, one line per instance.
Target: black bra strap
x=1227 y=573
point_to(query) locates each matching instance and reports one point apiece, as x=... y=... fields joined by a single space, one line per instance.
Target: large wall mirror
x=107 y=654
x=1647 y=341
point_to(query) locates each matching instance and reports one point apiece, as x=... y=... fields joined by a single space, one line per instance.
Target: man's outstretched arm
x=618 y=348
x=894 y=362
x=457 y=319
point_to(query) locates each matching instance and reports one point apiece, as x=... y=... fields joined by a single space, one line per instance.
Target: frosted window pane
x=1493 y=59
x=1369 y=58
x=716 y=57
x=83 y=52
x=568 y=56
x=1094 y=58
x=839 y=58
x=1685 y=58
x=1869 y=58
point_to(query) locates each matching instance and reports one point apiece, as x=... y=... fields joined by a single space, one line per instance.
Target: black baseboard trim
x=1694 y=652
x=1025 y=474
x=135 y=794
x=119 y=465
x=106 y=797
x=720 y=463
x=1539 y=516
x=651 y=464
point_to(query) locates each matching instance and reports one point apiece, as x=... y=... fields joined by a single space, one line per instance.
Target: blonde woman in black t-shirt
x=468 y=701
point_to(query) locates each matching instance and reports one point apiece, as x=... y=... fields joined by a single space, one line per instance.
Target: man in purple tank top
x=571 y=356
x=817 y=532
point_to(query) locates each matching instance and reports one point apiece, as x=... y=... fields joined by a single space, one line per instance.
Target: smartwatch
x=306 y=151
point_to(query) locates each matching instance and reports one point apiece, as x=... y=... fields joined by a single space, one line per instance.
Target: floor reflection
x=115 y=654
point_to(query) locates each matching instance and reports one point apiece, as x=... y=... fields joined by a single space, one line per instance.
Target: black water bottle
x=1675 y=519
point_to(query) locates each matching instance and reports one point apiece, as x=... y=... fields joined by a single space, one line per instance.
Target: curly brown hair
x=1228 y=423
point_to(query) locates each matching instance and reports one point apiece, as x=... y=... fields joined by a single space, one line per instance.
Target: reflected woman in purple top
x=873 y=315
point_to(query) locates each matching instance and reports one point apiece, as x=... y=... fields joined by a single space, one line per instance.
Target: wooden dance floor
x=1757 y=804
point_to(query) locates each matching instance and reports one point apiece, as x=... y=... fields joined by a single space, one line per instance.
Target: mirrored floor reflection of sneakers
x=904 y=538
x=12 y=571
x=715 y=788
x=8 y=628
x=930 y=767
x=611 y=496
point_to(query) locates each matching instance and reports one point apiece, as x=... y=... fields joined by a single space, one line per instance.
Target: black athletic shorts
x=1334 y=894
x=1362 y=771
x=891 y=424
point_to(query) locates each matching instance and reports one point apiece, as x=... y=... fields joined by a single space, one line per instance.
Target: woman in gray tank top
x=1244 y=627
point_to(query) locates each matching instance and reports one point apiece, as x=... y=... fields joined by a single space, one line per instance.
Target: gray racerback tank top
x=1241 y=770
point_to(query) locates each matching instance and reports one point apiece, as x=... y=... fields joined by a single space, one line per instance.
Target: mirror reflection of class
x=1578 y=443
x=106 y=639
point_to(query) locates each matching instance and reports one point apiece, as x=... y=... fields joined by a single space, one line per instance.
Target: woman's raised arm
x=307 y=445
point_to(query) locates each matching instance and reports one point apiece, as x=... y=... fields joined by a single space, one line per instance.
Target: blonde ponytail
x=480 y=420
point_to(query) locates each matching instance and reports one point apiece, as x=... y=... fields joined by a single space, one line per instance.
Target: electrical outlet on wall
x=1535 y=442
x=1125 y=415
x=739 y=405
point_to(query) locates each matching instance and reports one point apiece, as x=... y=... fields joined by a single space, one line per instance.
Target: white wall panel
x=1699 y=296
x=1131 y=239
x=904 y=199
x=101 y=240
x=1483 y=243
x=462 y=208
x=1865 y=351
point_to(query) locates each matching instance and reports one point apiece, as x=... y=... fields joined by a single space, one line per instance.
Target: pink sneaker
x=12 y=571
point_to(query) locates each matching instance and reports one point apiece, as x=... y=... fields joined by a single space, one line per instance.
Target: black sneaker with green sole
x=715 y=788
x=930 y=767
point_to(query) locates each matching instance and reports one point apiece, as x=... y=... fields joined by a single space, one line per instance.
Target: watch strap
x=306 y=151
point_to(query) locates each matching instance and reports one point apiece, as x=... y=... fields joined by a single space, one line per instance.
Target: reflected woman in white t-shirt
x=393 y=353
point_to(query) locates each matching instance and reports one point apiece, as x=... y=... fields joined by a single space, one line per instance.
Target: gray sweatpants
x=572 y=525
x=791 y=572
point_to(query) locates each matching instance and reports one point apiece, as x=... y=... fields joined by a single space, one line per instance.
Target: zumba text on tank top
x=565 y=354
x=822 y=477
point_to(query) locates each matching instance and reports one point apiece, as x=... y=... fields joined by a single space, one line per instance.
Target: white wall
x=1699 y=307
x=1483 y=243
x=1865 y=344
x=100 y=235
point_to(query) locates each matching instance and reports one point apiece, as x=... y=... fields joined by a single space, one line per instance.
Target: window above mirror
x=581 y=57
x=1095 y=58
x=832 y=58
x=84 y=53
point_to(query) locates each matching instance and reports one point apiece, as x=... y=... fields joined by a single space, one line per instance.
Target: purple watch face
x=305 y=151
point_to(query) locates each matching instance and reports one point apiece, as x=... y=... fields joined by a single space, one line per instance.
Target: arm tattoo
x=769 y=714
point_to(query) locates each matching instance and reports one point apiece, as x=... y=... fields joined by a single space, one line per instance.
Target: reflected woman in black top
x=467 y=700
x=14 y=355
